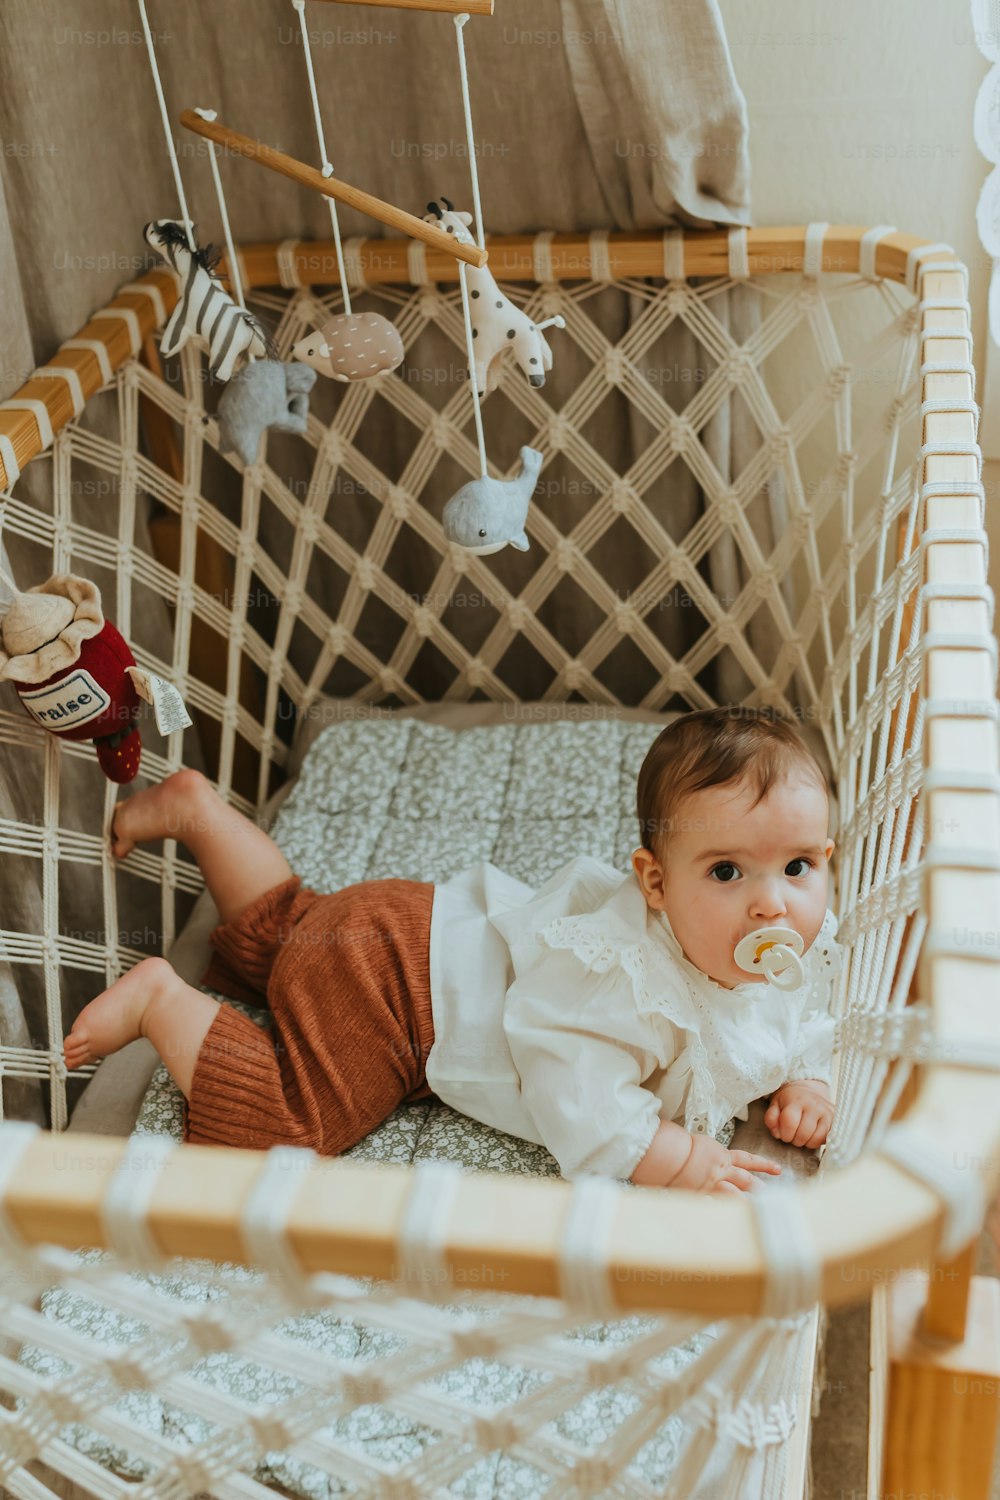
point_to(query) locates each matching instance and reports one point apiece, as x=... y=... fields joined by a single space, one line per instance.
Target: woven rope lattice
x=825 y=595
x=829 y=622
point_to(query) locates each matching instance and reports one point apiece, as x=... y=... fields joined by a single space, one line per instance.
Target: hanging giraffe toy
x=497 y=324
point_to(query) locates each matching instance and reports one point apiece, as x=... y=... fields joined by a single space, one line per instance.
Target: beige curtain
x=588 y=113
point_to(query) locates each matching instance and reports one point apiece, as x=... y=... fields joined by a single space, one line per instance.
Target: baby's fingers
x=807 y=1126
x=789 y=1122
x=751 y=1163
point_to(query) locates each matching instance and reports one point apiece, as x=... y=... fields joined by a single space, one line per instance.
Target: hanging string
x=471 y=356
x=467 y=106
x=5 y=577
x=234 y=268
x=327 y=166
x=186 y=218
x=235 y=279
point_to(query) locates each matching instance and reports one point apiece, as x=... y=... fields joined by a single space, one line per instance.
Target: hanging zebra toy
x=204 y=310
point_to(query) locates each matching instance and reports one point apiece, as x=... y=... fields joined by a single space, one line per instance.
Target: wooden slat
x=453 y=7
x=155 y=289
x=385 y=261
x=944 y=1402
x=878 y=1381
x=770 y=251
x=666 y=1249
x=333 y=187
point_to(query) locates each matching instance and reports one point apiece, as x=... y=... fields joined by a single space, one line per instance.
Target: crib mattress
x=382 y=798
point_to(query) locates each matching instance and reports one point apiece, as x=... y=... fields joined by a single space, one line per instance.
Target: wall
x=861 y=113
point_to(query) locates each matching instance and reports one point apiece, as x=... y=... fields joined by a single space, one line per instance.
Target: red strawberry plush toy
x=70 y=668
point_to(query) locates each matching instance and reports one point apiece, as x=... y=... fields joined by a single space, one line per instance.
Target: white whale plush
x=487 y=514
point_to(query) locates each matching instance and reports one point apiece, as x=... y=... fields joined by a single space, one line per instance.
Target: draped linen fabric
x=622 y=114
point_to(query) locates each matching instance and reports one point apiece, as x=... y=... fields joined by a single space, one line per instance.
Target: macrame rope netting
x=806 y=662
x=242 y=1325
x=843 y=587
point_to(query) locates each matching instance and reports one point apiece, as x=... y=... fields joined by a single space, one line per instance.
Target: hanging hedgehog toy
x=76 y=676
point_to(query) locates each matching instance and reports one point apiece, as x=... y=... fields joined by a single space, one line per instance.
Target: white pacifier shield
x=773 y=952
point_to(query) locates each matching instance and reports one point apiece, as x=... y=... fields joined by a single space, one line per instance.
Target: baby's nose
x=767 y=901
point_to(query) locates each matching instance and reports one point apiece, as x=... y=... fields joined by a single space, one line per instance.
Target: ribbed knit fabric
x=346 y=977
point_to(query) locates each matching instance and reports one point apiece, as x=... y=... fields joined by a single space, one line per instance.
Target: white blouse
x=569 y=1016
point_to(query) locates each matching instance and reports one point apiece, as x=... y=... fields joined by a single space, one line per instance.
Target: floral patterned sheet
x=376 y=799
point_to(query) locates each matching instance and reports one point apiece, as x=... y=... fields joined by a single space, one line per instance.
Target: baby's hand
x=738 y=1176
x=712 y=1168
x=800 y=1113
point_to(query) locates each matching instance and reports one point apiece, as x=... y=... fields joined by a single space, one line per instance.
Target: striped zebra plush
x=204 y=310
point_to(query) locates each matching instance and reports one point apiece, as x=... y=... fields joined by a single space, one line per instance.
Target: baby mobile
x=72 y=669
x=487 y=513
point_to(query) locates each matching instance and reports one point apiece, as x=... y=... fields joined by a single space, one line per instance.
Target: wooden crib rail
x=453 y=7
x=578 y=256
x=50 y=399
x=666 y=1249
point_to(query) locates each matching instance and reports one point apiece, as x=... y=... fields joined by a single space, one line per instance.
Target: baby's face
x=732 y=867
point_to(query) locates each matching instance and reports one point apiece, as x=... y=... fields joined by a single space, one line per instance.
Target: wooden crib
x=884 y=645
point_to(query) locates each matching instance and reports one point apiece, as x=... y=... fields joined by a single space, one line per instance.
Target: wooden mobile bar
x=332 y=187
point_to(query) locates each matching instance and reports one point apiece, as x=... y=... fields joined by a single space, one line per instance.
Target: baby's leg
x=153 y=1001
x=238 y=860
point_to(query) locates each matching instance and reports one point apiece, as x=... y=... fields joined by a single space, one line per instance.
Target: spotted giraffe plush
x=497 y=325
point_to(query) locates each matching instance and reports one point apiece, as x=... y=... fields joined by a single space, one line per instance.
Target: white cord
x=471 y=356
x=186 y=217
x=327 y=165
x=234 y=270
x=5 y=577
x=460 y=21
x=467 y=106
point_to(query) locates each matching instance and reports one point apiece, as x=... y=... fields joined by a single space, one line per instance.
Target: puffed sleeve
x=813 y=1051
x=581 y=1052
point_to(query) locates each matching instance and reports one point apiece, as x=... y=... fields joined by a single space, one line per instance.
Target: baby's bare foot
x=159 y=812
x=115 y=1018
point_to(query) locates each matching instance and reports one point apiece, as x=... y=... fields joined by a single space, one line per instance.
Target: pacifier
x=775 y=953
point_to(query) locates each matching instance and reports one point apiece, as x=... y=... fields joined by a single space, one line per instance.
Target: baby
x=603 y=1015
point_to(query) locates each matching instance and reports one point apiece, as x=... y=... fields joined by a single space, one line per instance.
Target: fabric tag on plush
x=74 y=700
x=168 y=705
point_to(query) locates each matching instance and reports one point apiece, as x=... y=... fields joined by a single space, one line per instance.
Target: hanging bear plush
x=75 y=675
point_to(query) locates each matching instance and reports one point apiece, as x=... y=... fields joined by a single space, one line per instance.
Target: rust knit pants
x=346 y=978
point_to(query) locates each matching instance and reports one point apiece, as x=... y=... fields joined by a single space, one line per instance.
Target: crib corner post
x=942 y=1398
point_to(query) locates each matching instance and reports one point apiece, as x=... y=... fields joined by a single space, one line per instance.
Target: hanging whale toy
x=487 y=514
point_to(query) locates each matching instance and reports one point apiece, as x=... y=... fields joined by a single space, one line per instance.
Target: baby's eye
x=791 y=867
x=725 y=872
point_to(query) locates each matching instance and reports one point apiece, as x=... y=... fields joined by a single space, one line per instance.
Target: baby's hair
x=713 y=747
